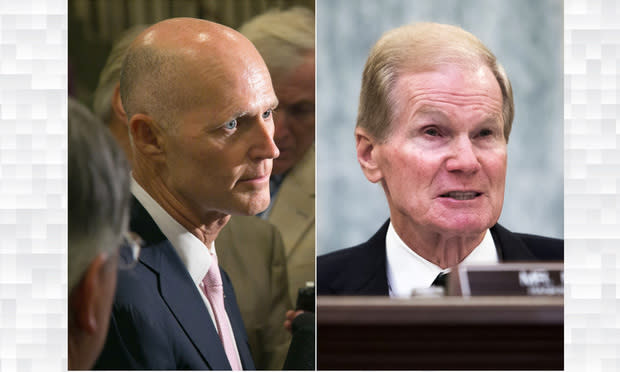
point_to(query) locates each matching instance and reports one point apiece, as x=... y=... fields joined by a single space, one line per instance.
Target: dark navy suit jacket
x=159 y=320
x=362 y=270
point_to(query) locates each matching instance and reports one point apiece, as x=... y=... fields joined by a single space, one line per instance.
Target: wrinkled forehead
x=453 y=75
x=447 y=86
x=443 y=58
x=458 y=78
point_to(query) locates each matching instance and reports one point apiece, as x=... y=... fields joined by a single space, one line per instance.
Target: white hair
x=282 y=37
x=98 y=202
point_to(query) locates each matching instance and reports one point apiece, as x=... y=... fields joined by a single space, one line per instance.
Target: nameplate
x=510 y=279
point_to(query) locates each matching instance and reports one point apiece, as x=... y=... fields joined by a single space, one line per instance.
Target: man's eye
x=431 y=132
x=485 y=133
x=267 y=114
x=231 y=124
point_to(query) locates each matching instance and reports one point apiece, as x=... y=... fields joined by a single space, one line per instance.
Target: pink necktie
x=214 y=291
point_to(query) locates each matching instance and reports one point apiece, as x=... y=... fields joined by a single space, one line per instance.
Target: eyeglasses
x=129 y=251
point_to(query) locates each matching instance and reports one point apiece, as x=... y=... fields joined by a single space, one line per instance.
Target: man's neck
x=444 y=250
x=205 y=226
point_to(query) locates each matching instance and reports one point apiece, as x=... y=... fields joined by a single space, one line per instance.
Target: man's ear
x=117 y=104
x=84 y=300
x=147 y=136
x=367 y=153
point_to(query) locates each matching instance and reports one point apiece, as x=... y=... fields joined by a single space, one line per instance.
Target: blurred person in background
x=434 y=118
x=98 y=211
x=285 y=40
x=107 y=103
x=249 y=249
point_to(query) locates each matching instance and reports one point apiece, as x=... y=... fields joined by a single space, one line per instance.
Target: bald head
x=199 y=101
x=173 y=62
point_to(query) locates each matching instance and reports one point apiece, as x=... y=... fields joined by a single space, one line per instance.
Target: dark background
x=95 y=24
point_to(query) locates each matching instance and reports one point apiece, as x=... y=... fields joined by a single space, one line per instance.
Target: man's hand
x=290 y=315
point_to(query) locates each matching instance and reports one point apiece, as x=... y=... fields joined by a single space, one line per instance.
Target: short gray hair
x=148 y=76
x=98 y=191
x=282 y=37
x=111 y=73
x=416 y=48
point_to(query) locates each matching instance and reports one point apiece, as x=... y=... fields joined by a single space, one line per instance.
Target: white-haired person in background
x=285 y=40
x=107 y=103
x=98 y=217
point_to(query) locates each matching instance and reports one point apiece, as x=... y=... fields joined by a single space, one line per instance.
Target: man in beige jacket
x=285 y=40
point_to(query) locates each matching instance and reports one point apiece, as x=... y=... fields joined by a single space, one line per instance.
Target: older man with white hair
x=435 y=114
x=285 y=39
x=98 y=211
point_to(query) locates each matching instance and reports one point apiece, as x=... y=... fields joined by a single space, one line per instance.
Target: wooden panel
x=431 y=334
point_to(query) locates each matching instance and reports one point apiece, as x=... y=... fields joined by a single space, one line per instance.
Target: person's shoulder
x=339 y=270
x=340 y=256
x=140 y=335
x=348 y=269
x=527 y=247
x=543 y=247
x=362 y=251
x=135 y=287
x=250 y=224
x=302 y=173
x=332 y=267
x=249 y=231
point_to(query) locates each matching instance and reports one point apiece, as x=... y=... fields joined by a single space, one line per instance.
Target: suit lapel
x=178 y=290
x=375 y=268
x=366 y=273
x=509 y=246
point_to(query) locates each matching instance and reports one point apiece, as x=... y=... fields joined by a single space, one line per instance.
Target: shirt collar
x=406 y=270
x=193 y=253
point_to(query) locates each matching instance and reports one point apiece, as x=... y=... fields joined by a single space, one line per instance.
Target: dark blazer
x=159 y=320
x=362 y=270
x=301 y=353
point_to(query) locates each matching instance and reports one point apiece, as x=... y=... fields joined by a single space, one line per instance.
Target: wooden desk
x=453 y=333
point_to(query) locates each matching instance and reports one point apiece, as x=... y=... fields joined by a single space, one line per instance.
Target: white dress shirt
x=193 y=253
x=406 y=270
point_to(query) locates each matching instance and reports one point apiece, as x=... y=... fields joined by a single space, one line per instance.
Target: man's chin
x=465 y=227
x=253 y=206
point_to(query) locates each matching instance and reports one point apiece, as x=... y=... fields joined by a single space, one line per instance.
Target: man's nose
x=264 y=146
x=463 y=156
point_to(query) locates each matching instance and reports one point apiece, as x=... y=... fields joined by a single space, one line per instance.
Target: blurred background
x=527 y=38
x=95 y=24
